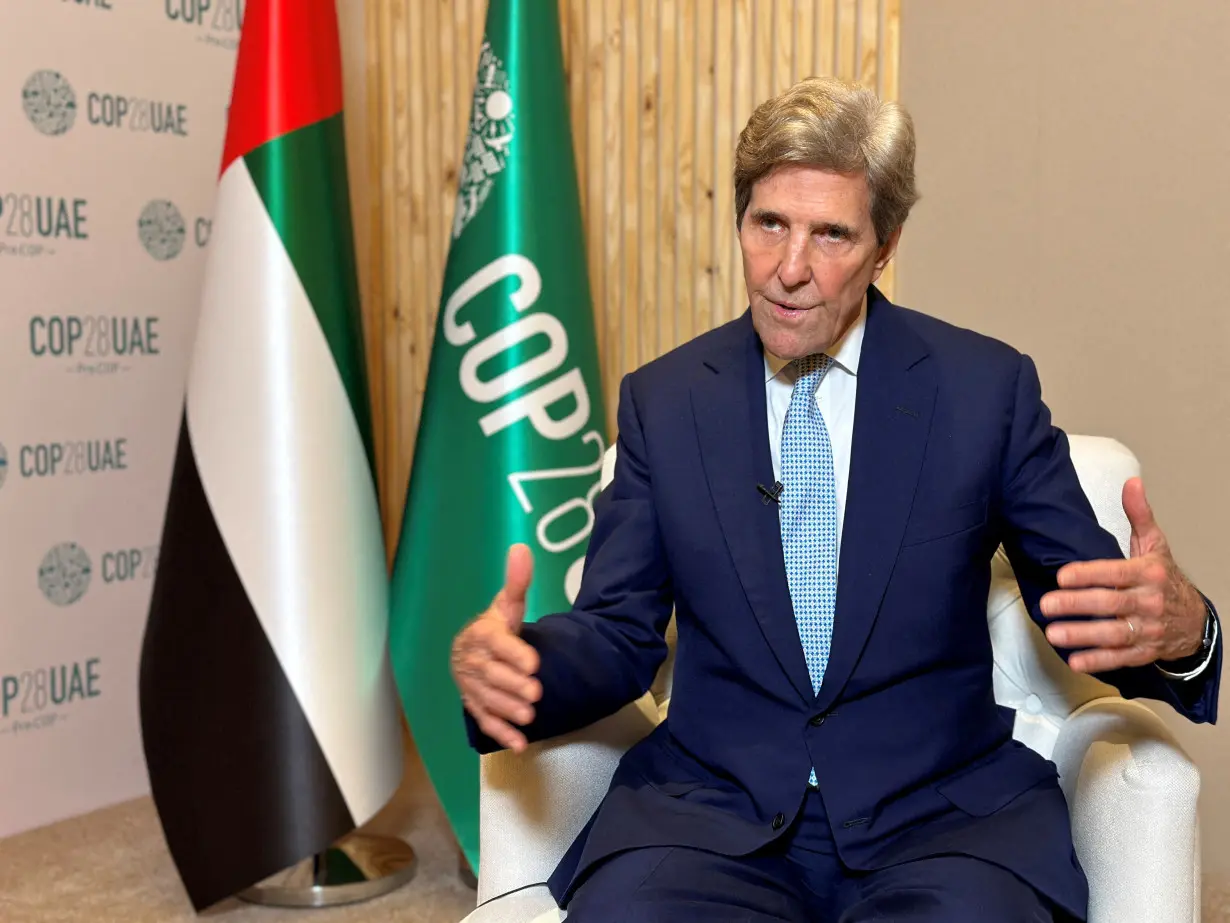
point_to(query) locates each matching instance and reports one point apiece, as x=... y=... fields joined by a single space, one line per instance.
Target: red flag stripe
x=288 y=75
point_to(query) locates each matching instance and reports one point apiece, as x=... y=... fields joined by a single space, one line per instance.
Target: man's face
x=809 y=253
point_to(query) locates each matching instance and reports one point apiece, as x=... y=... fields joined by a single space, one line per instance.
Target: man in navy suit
x=816 y=490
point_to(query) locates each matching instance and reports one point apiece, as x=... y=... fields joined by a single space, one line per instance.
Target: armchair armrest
x=533 y=804
x=1132 y=794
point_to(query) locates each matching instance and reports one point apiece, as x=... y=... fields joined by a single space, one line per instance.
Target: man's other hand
x=1156 y=613
x=492 y=667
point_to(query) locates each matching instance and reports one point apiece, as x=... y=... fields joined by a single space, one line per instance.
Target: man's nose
x=794 y=269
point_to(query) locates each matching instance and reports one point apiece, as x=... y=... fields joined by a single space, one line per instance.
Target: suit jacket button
x=778 y=821
x=816 y=720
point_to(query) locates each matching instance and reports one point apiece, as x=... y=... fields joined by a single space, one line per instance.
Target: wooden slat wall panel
x=658 y=90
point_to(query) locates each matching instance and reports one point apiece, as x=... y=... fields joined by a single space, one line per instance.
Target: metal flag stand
x=356 y=868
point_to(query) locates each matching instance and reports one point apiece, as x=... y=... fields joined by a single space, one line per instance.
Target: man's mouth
x=788 y=308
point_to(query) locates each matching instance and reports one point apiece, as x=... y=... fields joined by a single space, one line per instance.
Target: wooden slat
x=701 y=263
x=826 y=37
x=804 y=41
x=658 y=91
x=731 y=293
x=890 y=70
x=847 y=39
x=868 y=42
x=383 y=341
x=647 y=246
x=720 y=119
x=669 y=175
x=612 y=227
x=762 y=51
x=784 y=47
x=691 y=74
x=409 y=245
x=630 y=243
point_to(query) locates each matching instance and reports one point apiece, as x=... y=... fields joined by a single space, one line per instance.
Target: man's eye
x=834 y=234
x=770 y=224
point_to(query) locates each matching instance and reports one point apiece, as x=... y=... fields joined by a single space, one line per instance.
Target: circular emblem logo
x=4 y=465
x=493 y=122
x=50 y=103
x=64 y=575
x=162 y=230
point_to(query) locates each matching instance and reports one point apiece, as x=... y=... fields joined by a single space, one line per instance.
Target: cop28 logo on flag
x=492 y=125
x=49 y=102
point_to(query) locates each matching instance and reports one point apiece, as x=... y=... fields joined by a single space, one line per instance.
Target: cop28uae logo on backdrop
x=51 y=106
x=217 y=22
x=49 y=102
x=492 y=126
x=64 y=574
x=34 y=699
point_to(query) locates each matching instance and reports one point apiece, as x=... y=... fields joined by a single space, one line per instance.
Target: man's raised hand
x=492 y=667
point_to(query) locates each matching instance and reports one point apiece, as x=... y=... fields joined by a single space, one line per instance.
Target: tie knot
x=810 y=370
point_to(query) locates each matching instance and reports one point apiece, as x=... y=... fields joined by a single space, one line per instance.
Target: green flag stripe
x=301 y=178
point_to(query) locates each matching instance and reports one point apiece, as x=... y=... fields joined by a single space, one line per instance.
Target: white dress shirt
x=835 y=400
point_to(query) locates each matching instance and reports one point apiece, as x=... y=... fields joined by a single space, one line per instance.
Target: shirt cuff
x=1208 y=655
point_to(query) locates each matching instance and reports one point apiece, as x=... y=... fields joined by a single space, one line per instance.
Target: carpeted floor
x=112 y=865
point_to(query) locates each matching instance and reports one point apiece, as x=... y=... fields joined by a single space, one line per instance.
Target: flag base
x=357 y=868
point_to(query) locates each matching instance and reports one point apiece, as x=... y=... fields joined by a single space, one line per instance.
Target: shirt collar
x=844 y=353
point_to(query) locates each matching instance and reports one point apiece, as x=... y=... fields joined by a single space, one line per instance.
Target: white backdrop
x=112 y=117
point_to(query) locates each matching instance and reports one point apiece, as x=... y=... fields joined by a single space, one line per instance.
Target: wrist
x=1200 y=648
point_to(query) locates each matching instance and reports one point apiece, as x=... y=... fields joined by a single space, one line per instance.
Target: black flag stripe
x=240 y=782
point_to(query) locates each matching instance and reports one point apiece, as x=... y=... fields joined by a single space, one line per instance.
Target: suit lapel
x=728 y=400
x=892 y=420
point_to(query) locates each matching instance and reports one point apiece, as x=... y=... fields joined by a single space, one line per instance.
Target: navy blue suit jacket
x=953 y=454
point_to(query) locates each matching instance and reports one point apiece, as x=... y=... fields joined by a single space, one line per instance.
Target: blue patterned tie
x=808 y=513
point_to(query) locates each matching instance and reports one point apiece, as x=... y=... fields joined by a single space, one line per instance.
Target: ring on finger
x=1132 y=629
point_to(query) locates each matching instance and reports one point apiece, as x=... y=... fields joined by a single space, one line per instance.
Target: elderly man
x=816 y=490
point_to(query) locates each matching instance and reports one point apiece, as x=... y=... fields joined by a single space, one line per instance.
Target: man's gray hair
x=844 y=127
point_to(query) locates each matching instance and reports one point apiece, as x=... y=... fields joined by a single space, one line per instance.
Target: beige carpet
x=112 y=865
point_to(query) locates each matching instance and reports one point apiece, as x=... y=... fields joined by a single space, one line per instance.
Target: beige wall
x=1074 y=160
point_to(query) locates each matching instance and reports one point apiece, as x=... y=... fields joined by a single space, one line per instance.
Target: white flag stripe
x=282 y=464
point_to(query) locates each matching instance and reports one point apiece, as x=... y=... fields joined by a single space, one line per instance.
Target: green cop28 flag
x=512 y=433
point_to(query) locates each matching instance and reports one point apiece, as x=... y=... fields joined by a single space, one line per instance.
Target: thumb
x=1145 y=531
x=518 y=572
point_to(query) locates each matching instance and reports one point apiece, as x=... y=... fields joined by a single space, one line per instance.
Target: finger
x=518 y=571
x=1108 y=633
x=515 y=682
x=1103 y=659
x=512 y=650
x=1145 y=531
x=1118 y=572
x=1099 y=601
x=500 y=704
x=498 y=729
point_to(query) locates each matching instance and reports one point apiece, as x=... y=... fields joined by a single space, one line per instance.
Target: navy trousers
x=799 y=879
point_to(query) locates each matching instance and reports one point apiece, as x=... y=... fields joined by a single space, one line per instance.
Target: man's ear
x=887 y=250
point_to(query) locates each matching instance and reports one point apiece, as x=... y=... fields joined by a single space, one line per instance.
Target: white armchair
x=1131 y=789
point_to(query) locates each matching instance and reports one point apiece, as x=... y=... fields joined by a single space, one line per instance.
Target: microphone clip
x=774 y=493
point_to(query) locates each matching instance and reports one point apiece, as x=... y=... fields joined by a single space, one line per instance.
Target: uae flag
x=513 y=429
x=268 y=710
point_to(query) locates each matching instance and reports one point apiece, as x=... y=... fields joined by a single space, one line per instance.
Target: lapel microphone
x=768 y=494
